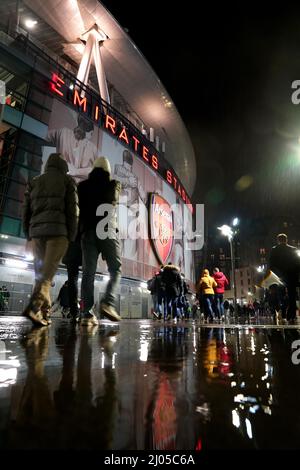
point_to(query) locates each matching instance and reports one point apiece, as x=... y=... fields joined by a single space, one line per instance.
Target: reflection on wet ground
x=148 y=385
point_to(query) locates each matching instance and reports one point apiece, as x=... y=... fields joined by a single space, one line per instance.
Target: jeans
x=157 y=303
x=171 y=309
x=92 y=246
x=73 y=260
x=219 y=305
x=47 y=252
x=207 y=304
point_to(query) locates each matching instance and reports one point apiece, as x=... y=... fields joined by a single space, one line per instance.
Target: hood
x=56 y=161
x=99 y=174
x=171 y=266
x=218 y=275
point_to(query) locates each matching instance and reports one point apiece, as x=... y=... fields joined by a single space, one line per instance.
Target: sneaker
x=88 y=319
x=46 y=314
x=155 y=315
x=47 y=318
x=109 y=312
x=36 y=317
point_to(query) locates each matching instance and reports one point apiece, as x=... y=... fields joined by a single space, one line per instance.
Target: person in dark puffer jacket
x=97 y=190
x=172 y=280
x=50 y=219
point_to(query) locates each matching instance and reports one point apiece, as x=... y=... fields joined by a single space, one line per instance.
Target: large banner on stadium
x=81 y=142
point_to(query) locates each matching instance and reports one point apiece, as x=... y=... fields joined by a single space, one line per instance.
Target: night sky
x=229 y=71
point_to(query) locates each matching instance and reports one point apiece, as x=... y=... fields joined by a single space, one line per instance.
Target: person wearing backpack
x=172 y=281
x=155 y=286
x=152 y=289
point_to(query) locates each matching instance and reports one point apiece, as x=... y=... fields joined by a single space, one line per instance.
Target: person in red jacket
x=222 y=283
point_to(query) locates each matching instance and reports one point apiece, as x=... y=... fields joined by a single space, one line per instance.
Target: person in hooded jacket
x=50 y=220
x=222 y=283
x=284 y=261
x=99 y=234
x=206 y=286
x=172 y=282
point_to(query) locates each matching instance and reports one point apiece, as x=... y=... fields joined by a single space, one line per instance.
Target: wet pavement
x=143 y=384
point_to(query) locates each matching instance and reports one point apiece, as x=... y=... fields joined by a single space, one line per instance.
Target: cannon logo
x=161 y=227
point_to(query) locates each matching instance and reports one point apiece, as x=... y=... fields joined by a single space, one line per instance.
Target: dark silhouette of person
x=34 y=426
x=285 y=262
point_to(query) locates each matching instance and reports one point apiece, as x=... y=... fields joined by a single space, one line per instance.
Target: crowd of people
x=59 y=219
x=169 y=293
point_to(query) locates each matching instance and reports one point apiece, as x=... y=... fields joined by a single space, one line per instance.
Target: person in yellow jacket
x=206 y=286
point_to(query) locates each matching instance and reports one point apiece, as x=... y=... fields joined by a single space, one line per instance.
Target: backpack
x=151 y=284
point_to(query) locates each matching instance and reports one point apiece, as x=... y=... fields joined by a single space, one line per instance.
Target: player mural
x=80 y=142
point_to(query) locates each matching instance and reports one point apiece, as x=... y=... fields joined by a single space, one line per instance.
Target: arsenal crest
x=161 y=227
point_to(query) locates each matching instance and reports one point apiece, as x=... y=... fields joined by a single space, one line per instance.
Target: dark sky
x=229 y=71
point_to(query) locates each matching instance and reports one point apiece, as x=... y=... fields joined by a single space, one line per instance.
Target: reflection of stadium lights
x=30 y=23
x=29 y=257
x=144 y=350
x=249 y=428
x=235 y=419
x=143 y=285
x=16 y=263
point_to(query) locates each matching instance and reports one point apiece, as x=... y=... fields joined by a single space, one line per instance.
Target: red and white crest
x=161 y=227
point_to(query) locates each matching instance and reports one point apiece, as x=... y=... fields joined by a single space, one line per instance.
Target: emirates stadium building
x=68 y=68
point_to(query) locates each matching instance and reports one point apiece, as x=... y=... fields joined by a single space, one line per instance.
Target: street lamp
x=227 y=231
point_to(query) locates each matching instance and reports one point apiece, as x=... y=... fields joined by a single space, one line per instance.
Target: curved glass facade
x=45 y=109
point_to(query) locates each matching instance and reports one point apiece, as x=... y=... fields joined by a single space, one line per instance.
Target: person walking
x=63 y=299
x=172 y=281
x=73 y=261
x=285 y=263
x=97 y=190
x=157 y=290
x=50 y=219
x=206 y=286
x=222 y=283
